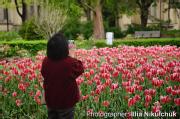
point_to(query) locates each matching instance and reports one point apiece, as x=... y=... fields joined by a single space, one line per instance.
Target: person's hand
x=72 y=53
x=43 y=102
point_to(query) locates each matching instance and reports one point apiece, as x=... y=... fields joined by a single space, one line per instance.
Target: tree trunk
x=169 y=20
x=7 y=20
x=24 y=11
x=98 y=27
x=144 y=17
x=160 y=9
x=22 y=14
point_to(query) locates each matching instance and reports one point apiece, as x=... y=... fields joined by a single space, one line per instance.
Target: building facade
x=14 y=19
x=156 y=13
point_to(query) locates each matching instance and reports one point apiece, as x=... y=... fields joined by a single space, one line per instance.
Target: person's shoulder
x=71 y=59
x=45 y=60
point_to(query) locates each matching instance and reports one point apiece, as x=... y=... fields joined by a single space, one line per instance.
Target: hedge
x=13 y=46
x=141 y=42
x=10 y=48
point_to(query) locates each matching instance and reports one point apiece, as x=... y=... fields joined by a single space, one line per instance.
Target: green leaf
x=1 y=67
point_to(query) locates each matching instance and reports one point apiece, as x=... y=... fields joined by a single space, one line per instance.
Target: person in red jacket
x=59 y=71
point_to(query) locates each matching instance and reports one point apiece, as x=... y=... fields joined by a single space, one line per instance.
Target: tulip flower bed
x=123 y=79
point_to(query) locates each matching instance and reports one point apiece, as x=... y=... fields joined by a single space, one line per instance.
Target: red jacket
x=61 y=90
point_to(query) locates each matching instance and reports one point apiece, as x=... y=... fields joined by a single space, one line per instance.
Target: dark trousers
x=61 y=114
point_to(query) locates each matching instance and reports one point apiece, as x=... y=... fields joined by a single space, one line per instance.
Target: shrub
x=171 y=33
x=136 y=27
x=86 y=44
x=29 y=31
x=87 y=29
x=7 y=36
x=16 y=48
x=74 y=28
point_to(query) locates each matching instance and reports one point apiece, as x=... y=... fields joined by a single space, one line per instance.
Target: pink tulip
x=169 y=89
x=114 y=86
x=177 y=101
x=91 y=71
x=148 y=98
x=14 y=94
x=38 y=93
x=18 y=102
x=156 y=108
x=21 y=86
x=165 y=99
x=106 y=103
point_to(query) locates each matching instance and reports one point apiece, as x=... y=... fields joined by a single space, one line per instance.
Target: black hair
x=57 y=47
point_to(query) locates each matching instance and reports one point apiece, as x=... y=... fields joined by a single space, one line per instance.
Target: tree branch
x=149 y=2
x=138 y=3
x=87 y=6
x=17 y=8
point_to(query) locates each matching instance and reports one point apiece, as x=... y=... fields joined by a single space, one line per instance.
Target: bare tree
x=50 y=21
x=23 y=13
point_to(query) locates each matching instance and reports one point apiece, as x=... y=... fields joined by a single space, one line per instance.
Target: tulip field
x=123 y=79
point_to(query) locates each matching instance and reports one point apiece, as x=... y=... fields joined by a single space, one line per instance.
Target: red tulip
x=133 y=100
x=31 y=93
x=79 y=80
x=18 y=102
x=148 y=98
x=137 y=97
x=38 y=93
x=177 y=101
x=114 y=86
x=85 y=97
x=115 y=73
x=174 y=92
x=156 y=108
x=108 y=82
x=38 y=100
x=169 y=89
x=91 y=71
x=165 y=99
x=130 y=89
x=87 y=74
x=89 y=111
x=128 y=83
x=146 y=104
x=151 y=92
x=14 y=94
x=157 y=82
x=106 y=103
x=21 y=86
x=99 y=89
x=89 y=82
